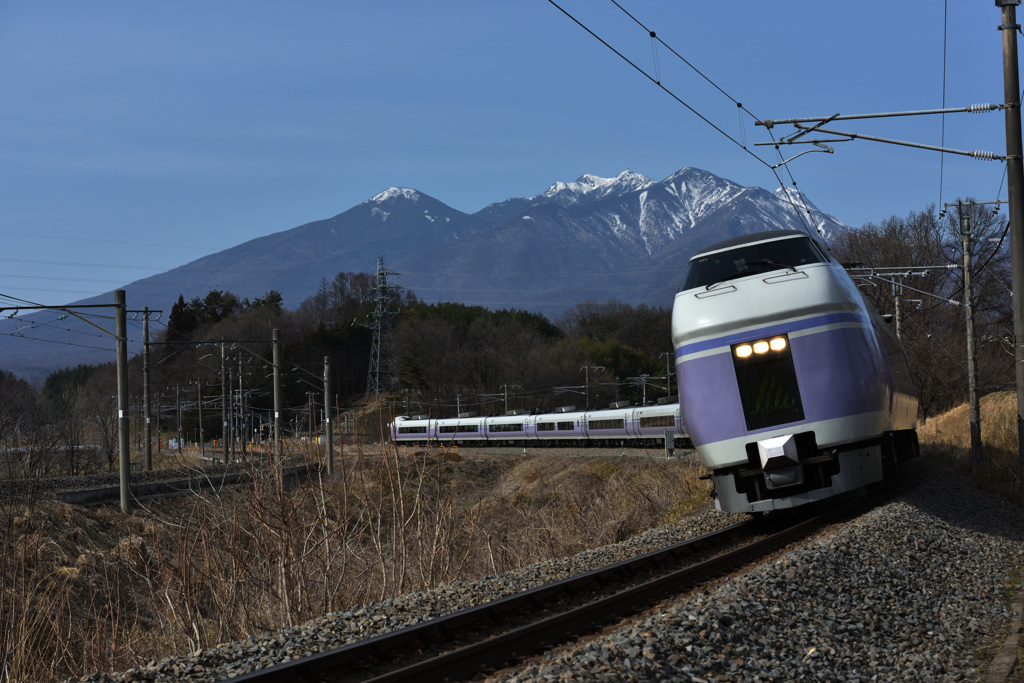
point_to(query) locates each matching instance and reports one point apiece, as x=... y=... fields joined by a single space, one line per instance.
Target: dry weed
x=946 y=439
x=91 y=590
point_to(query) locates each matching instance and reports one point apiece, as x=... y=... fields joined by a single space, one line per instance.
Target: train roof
x=748 y=239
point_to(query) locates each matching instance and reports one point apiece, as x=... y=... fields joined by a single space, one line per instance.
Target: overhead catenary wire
x=680 y=100
x=740 y=109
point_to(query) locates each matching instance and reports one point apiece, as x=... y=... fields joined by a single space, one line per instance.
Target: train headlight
x=761 y=347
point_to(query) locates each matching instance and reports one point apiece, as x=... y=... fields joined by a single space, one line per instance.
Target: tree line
x=932 y=321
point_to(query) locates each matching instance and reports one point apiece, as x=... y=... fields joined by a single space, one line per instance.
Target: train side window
x=513 y=427
x=607 y=424
x=412 y=430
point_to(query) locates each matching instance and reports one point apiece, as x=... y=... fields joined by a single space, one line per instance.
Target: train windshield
x=750 y=259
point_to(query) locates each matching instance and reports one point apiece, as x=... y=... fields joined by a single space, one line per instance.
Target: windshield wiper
x=769 y=262
x=733 y=276
x=744 y=273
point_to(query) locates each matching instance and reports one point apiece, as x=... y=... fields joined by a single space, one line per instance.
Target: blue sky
x=138 y=136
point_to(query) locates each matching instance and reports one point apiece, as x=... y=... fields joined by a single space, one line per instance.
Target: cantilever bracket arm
x=973 y=109
x=974 y=154
x=804 y=130
x=820 y=121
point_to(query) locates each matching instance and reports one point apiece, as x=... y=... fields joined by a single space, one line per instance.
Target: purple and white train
x=792 y=388
x=620 y=425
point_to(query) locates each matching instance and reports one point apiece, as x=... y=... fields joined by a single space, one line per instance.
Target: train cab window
x=750 y=259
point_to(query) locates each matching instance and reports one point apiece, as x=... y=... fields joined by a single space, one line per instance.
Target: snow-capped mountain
x=626 y=238
x=588 y=188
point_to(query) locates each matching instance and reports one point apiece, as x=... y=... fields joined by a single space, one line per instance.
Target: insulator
x=979 y=108
x=981 y=154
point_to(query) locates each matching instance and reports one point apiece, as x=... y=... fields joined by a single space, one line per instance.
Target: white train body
x=791 y=387
x=637 y=426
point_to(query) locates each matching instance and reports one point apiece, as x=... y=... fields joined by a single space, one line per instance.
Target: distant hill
x=626 y=238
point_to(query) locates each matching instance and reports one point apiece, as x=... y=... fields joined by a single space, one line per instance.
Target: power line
x=118 y=242
x=77 y=265
x=655 y=80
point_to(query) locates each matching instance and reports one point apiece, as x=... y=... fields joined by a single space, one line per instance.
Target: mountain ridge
x=626 y=238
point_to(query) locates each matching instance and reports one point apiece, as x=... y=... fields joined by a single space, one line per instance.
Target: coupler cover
x=780 y=462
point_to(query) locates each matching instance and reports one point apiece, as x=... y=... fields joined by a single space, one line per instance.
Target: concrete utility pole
x=224 y=431
x=177 y=410
x=669 y=355
x=158 y=406
x=278 y=456
x=1015 y=194
x=506 y=387
x=897 y=296
x=586 y=381
x=328 y=422
x=202 y=440
x=972 y=353
x=145 y=387
x=124 y=446
x=642 y=381
x=241 y=411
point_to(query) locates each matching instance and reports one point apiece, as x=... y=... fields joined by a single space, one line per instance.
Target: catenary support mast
x=1015 y=191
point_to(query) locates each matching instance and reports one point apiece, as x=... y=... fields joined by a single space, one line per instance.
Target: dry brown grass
x=88 y=589
x=946 y=439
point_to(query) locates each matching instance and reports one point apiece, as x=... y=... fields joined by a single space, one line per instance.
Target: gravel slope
x=914 y=590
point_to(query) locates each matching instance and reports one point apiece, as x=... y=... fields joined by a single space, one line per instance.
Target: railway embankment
x=922 y=587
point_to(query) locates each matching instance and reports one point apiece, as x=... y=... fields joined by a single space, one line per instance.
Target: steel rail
x=495 y=651
x=178 y=486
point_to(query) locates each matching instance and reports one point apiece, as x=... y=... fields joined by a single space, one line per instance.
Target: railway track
x=103 y=489
x=470 y=642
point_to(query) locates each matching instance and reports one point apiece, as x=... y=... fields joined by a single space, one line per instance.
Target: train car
x=623 y=425
x=508 y=430
x=560 y=429
x=651 y=425
x=413 y=430
x=464 y=430
x=792 y=388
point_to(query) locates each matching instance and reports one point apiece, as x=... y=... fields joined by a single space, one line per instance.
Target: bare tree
x=932 y=317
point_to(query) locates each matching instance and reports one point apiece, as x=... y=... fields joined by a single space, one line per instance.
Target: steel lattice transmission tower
x=381 y=375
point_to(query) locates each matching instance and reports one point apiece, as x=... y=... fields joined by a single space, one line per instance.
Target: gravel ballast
x=917 y=589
